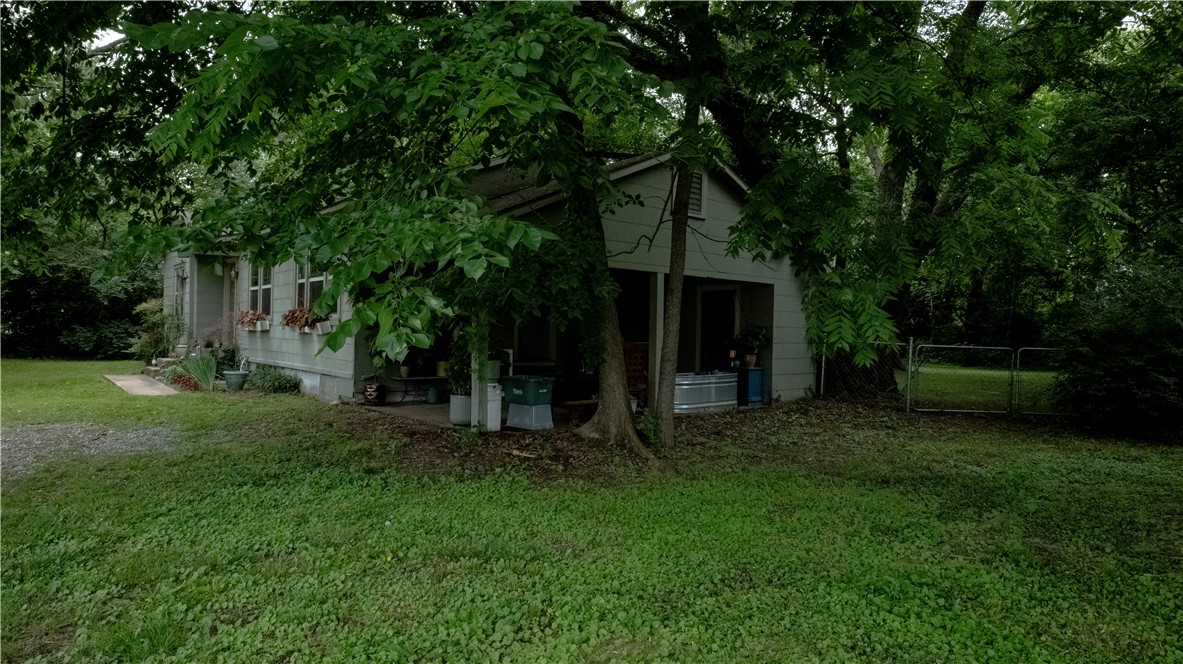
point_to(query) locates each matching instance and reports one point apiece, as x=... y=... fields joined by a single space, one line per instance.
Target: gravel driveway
x=24 y=448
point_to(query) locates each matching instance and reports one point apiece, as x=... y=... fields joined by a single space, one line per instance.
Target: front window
x=260 y=290
x=310 y=286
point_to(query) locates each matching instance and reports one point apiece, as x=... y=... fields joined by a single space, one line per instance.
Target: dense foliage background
x=956 y=172
x=72 y=307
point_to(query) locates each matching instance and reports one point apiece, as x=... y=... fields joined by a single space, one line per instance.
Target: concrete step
x=162 y=363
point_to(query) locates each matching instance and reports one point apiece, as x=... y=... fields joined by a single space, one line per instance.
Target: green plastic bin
x=529 y=390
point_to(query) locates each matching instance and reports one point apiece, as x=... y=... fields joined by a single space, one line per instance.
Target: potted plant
x=460 y=403
x=373 y=390
x=750 y=342
x=326 y=325
x=253 y=320
x=236 y=378
x=301 y=319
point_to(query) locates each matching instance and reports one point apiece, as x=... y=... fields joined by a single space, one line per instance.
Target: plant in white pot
x=251 y=319
x=301 y=319
x=373 y=390
x=460 y=403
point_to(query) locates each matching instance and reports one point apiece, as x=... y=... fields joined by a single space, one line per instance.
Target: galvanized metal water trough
x=704 y=393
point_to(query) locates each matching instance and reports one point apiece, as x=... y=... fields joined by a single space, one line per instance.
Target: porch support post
x=480 y=386
x=656 y=330
x=480 y=400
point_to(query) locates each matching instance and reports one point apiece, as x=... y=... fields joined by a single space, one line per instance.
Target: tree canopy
x=907 y=157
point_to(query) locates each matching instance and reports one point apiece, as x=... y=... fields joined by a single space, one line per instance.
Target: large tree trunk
x=673 y=285
x=613 y=421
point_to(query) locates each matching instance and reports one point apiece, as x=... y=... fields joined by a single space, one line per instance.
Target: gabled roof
x=509 y=190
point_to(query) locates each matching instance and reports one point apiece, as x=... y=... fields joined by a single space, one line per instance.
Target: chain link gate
x=960 y=379
x=1035 y=377
x=981 y=379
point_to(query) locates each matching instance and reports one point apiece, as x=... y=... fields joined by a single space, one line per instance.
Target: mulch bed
x=546 y=456
x=819 y=435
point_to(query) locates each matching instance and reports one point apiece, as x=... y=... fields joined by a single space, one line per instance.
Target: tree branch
x=613 y=15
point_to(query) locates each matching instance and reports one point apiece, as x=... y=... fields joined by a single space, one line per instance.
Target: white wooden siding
x=292 y=349
x=790 y=362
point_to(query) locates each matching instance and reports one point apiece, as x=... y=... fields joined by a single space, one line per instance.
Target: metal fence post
x=1014 y=370
x=908 y=381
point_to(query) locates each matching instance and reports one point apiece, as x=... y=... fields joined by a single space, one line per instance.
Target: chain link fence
x=1035 y=378
x=886 y=381
x=972 y=379
x=950 y=378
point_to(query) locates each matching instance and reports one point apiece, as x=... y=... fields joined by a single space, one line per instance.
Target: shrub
x=159 y=332
x=649 y=426
x=201 y=368
x=102 y=340
x=228 y=357
x=272 y=380
x=1123 y=363
x=73 y=307
x=184 y=381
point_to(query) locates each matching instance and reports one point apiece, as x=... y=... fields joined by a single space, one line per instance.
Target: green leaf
x=475 y=268
x=515 y=234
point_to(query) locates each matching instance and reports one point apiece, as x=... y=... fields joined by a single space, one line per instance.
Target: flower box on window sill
x=262 y=326
x=306 y=330
x=325 y=327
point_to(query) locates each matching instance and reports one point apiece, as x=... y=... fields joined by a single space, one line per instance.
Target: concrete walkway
x=141 y=385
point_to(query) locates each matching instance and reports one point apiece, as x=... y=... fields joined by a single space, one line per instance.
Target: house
x=722 y=296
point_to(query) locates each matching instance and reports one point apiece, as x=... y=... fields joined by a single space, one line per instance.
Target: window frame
x=260 y=282
x=305 y=278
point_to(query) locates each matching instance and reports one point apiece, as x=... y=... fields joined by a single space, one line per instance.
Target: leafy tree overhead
x=877 y=135
x=75 y=124
x=381 y=120
x=1116 y=130
x=905 y=156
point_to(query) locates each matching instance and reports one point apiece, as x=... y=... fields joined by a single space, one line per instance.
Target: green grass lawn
x=280 y=529
x=961 y=388
x=1033 y=391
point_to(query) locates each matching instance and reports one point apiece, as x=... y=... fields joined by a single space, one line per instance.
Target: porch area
x=437 y=414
